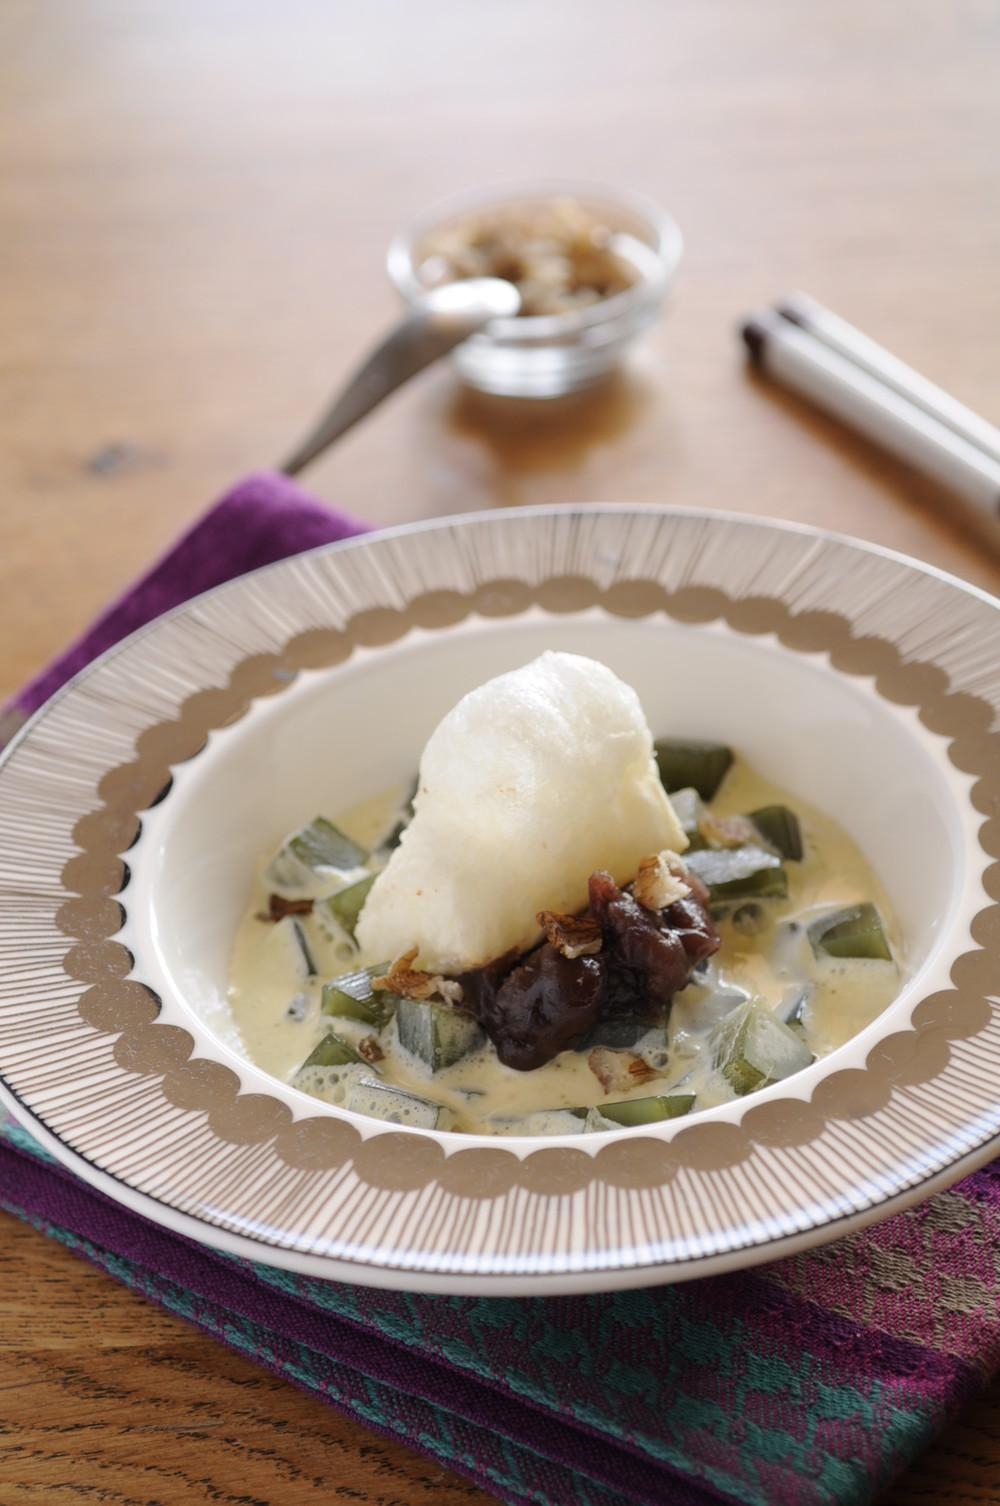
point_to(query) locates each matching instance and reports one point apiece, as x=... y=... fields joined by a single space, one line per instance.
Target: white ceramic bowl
x=314 y=684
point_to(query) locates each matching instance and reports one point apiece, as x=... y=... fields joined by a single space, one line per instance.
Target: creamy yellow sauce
x=265 y=973
x=275 y=1002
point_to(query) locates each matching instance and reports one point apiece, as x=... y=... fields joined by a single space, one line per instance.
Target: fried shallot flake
x=660 y=881
x=370 y=1049
x=278 y=907
x=572 y=935
x=410 y=983
x=618 y=1071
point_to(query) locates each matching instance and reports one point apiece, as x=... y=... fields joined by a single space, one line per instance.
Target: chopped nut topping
x=618 y=1071
x=559 y=255
x=278 y=907
x=728 y=831
x=660 y=880
x=410 y=983
x=370 y=1049
x=572 y=935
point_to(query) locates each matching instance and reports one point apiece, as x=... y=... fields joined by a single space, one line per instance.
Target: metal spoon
x=443 y=319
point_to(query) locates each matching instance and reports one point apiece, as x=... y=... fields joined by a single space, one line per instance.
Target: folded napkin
x=811 y=1380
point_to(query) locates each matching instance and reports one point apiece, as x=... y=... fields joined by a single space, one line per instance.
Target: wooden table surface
x=195 y=198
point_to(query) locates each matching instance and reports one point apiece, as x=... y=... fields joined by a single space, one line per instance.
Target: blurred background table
x=195 y=200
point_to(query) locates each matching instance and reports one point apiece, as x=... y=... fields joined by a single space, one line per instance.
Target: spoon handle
x=422 y=337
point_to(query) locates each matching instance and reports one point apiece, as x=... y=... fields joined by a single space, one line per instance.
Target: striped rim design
x=81 y=1044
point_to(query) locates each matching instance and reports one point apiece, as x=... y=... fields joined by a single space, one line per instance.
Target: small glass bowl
x=550 y=355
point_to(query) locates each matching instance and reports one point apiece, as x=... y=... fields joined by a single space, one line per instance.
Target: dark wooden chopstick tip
x=754 y=335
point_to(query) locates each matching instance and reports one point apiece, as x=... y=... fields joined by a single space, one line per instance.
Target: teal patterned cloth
x=732 y=1389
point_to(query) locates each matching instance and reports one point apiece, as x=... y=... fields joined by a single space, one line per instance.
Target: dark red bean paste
x=536 y=1005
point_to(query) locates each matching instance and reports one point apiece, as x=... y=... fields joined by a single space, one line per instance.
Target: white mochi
x=531 y=783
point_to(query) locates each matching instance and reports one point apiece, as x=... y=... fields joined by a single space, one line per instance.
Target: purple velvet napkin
x=265 y=518
x=813 y=1380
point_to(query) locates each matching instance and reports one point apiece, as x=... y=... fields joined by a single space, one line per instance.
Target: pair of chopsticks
x=804 y=347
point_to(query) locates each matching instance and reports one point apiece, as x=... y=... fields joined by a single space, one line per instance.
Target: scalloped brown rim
x=117 y=1003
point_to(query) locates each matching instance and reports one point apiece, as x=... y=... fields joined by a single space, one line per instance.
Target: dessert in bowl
x=550 y=949
x=240 y=857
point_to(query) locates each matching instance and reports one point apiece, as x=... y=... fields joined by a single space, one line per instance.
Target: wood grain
x=195 y=201
x=111 y=1400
